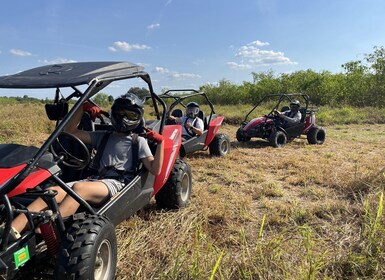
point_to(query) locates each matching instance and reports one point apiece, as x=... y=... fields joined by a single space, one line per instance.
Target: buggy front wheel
x=277 y=139
x=88 y=249
x=241 y=137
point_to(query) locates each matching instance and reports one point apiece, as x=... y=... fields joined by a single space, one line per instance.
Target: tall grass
x=300 y=212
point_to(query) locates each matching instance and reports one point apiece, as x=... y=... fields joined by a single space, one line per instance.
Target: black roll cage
x=186 y=94
x=281 y=97
x=97 y=75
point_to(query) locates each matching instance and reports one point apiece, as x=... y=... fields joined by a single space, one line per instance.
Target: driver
x=191 y=124
x=292 y=116
x=126 y=115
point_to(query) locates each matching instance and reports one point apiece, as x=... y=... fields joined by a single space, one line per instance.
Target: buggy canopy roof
x=71 y=74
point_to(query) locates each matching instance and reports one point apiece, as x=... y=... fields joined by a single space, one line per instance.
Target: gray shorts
x=113 y=186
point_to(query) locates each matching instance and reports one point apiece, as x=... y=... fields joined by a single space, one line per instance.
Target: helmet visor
x=192 y=111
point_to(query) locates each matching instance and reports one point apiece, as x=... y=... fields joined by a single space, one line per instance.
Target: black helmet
x=127 y=113
x=295 y=104
x=192 y=109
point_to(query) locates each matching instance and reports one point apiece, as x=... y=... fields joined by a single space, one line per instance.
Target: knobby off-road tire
x=277 y=139
x=176 y=192
x=241 y=137
x=88 y=249
x=220 y=146
x=316 y=135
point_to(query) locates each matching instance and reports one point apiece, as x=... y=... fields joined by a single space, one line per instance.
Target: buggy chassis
x=26 y=170
x=270 y=126
x=217 y=143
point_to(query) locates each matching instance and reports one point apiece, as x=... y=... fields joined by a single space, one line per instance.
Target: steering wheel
x=272 y=115
x=71 y=151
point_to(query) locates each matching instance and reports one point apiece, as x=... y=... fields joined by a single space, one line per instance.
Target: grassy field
x=299 y=212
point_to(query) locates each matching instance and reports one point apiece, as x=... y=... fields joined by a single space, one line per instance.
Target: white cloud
x=255 y=56
x=58 y=60
x=127 y=47
x=19 y=52
x=176 y=75
x=238 y=66
x=153 y=26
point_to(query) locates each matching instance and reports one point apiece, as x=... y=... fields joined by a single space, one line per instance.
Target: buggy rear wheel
x=277 y=139
x=88 y=249
x=176 y=192
x=220 y=145
x=316 y=135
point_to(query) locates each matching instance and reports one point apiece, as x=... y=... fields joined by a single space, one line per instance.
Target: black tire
x=176 y=192
x=277 y=139
x=316 y=135
x=220 y=146
x=241 y=137
x=88 y=249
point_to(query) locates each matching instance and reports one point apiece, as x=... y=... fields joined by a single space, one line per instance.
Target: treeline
x=4 y=100
x=360 y=83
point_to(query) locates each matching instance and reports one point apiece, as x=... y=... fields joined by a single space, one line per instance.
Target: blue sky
x=188 y=43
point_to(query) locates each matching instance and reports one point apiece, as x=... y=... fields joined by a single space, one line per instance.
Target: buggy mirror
x=56 y=112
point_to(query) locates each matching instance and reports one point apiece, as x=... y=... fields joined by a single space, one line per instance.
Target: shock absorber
x=48 y=234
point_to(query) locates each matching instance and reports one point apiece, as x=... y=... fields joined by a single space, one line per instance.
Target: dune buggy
x=271 y=127
x=83 y=246
x=218 y=144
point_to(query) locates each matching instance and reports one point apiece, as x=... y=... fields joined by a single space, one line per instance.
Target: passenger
x=192 y=125
x=293 y=116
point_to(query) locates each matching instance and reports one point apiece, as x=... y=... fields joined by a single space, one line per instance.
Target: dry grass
x=300 y=212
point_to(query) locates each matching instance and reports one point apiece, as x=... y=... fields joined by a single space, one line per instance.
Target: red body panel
x=172 y=140
x=32 y=180
x=254 y=122
x=213 y=129
x=309 y=123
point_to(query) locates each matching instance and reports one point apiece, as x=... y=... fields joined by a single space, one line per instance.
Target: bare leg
x=94 y=192
x=20 y=222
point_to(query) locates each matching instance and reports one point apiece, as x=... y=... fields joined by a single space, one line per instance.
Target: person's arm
x=154 y=164
x=295 y=119
x=176 y=119
x=72 y=127
x=197 y=130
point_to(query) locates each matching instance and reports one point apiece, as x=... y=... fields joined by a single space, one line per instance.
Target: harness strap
x=191 y=133
x=123 y=175
x=99 y=152
x=135 y=152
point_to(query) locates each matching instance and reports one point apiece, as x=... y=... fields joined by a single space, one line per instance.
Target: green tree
x=140 y=92
x=102 y=99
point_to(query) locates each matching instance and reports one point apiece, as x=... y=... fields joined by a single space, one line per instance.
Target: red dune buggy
x=271 y=127
x=217 y=143
x=83 y=246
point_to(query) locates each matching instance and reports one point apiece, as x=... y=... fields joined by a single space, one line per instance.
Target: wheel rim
x=185 y=187
x=320 y=136
x=103 y=261
x=224 y=147
x=281 y=140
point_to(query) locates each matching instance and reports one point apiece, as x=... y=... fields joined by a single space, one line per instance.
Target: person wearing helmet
x=292 y=116
x=192 y=125
x=116 y=157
